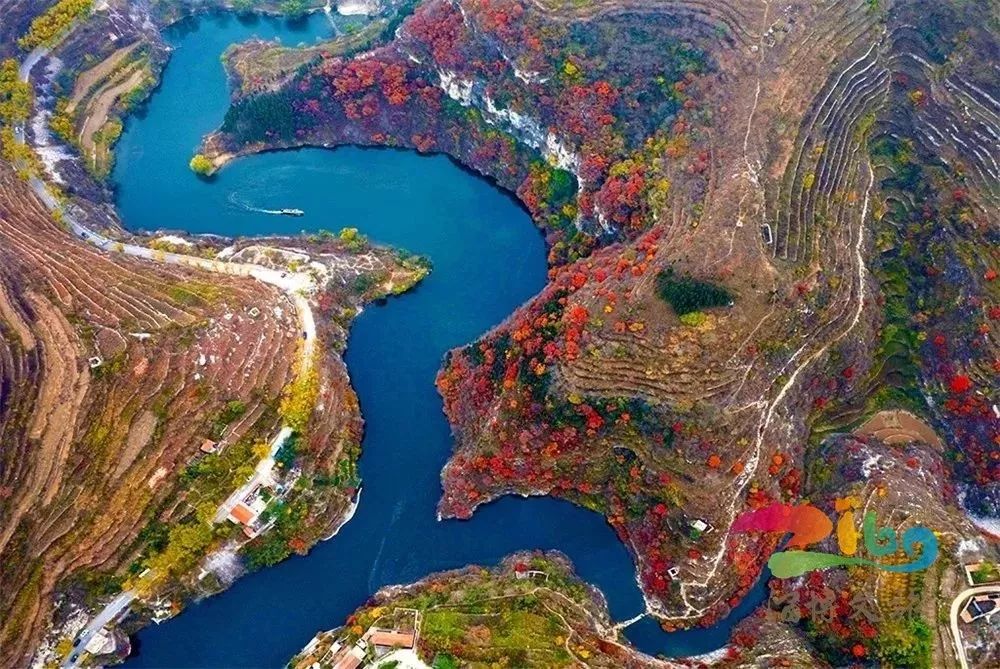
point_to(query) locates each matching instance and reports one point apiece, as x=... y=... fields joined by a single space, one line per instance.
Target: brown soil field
x=93 y=455
x=87 y=79
x=99 y=107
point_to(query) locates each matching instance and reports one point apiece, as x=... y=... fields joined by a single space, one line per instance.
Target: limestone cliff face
x=359 y=7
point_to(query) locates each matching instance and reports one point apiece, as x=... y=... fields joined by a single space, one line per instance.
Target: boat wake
x=246 y=206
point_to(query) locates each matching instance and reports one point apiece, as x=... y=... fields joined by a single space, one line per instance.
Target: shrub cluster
x=687 y=295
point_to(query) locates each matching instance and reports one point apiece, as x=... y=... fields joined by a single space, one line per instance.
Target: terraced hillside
x=712 y=183
x=937 y=153
x=94 y=454
x=116 y=372
x=85 y=119
x=767 y=222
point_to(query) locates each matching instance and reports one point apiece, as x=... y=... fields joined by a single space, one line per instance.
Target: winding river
x=488 y=258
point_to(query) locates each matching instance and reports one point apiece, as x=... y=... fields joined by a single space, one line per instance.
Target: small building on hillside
x=208 y=446
x=765 y=234
x=247 y=512
x=980 y=606
x=352 y=657
x=242 y=514
x=699 y=525
x=381 y=638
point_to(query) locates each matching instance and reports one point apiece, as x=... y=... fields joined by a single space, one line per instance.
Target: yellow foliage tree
x=18 y=154
x=15 y=95
x=49 y=26
x=201 y=165
x=62 y=125
x=299 y=398
x=186 y=544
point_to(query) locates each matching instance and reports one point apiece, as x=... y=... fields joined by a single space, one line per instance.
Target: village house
x=247 y=512
x=390 y=639
x=981 y=606
x=521 y=571
x=351 y=658
x=376 y=642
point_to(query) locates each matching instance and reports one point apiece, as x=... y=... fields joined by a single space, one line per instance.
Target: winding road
x=297 y=285
x=114 y=608
x=956 y=608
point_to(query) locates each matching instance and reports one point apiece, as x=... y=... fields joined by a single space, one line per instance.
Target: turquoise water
x=488 y=258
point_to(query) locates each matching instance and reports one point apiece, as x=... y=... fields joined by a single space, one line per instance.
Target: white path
x=956 y=608
x=298 y=285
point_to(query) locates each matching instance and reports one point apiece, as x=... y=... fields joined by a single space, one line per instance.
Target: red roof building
x=391 y=638
x=242 y=514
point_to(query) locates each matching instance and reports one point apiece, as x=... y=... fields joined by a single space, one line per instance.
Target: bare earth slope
x=115 y=372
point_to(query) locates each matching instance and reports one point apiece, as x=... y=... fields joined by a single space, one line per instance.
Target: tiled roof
x=242 y=514
x=391 y=639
